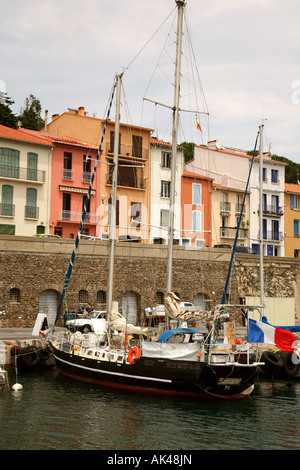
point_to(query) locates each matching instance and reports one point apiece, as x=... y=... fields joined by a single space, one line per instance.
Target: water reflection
x=54 y=413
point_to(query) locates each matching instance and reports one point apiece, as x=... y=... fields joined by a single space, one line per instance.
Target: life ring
x=134 y=354
x=273 y=363
x=30 y=356
x=289 y=368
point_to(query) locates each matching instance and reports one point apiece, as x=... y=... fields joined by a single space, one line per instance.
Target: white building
x=25 y=172
x=161 y=153
x=231 y=168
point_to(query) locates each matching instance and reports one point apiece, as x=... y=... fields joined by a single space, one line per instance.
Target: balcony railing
x=7 y=210
x=31 y=212
x=68 y=174
x=225 y=206
x=238 y=208
x=272 y=210
x=272 y=235
x=129 y=150
x=28 y=174
x=128 y=181
x=230 y=232
x=86 y=176
x=75 y=216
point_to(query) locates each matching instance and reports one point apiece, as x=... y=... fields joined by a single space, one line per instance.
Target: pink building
x=72 y=167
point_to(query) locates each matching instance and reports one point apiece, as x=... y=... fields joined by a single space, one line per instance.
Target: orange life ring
x=134 y=354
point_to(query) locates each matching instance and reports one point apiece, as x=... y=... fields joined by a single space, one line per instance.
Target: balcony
x=7 y=210
x=132 y=151
x=75 y=216
x=238 y=208
x=128 y=181
x=27 y=174
x=86 y=176
x=31 y=212
x=230 y=232
x=68 y=174
x=273 y=210
x=225 y=206
x=272 y=235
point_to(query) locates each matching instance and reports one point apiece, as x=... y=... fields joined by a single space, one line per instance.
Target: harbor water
x=54 y=413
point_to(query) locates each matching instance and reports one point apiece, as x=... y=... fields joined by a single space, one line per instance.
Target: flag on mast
x=198 y=124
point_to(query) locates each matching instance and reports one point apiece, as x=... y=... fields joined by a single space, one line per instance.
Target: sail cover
x=173 y=310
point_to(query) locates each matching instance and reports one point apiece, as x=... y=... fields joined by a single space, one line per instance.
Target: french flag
x=259 y=332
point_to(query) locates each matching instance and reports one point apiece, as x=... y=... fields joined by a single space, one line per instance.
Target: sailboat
x=181 y=362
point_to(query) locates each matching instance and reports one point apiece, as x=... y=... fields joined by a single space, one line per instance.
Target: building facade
x=196 y=197
x=161 y=154
x=230 y=168
x=132 y=209
x=25 y=175
x=292 y=220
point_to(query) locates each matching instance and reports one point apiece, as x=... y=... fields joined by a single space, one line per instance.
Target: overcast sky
x=67 y=52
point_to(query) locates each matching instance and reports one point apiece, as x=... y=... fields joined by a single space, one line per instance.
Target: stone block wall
x=32 y=266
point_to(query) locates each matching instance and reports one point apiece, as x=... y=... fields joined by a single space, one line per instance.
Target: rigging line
x=70 y=267
x=135 y=57
x=239 y=223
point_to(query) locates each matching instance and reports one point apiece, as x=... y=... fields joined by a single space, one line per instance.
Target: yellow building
x=292 y=220
x=132 y=211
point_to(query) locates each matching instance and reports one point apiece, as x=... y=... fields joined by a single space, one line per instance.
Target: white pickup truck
x=85 y=325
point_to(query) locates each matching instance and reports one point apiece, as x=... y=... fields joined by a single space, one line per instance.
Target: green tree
x=7 y=117
x=30 y=116
x=188 y=150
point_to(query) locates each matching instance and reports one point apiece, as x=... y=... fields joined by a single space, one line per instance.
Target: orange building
x=132 y=211
x=292 y=220
x=196 y=193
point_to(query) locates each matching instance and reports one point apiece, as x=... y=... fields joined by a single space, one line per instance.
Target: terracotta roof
x=190 y=174
x=18 y=135
x=292 y=188
x=228 y=188
x=239 y=154
x=61 y=139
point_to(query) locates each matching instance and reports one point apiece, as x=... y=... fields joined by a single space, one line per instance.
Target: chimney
x=81 y=111
x=46 y=119
x=54 y=116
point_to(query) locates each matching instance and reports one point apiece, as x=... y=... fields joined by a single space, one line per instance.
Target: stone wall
x=33 y=265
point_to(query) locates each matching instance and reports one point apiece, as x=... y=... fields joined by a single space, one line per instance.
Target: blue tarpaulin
x=168 y=333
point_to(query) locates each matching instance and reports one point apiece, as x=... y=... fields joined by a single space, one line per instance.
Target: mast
x=180 y=4
x=261 y=241
x=112 y=216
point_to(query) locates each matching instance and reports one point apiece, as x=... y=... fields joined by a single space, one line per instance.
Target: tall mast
x=261 y=249
x=112 y=213
x=180 y=4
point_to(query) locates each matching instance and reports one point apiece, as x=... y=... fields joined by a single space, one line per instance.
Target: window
x=264 y=174
x=197 y=221
x=296 y=228
x=14 y=295
x=7 y=206
x=40 y=229
x=159 y=298
x=137 y=146
x=164 y=217
x=66 y=206
x=135 y=214
x=296 y=253
x=6 y=229
x=9 y=163
x=101 y=297
x=186 y=242
x=58 y=231
x=196 y=193
x=31 y=210
x=166 y=159
x=294 y=202
x=165 y=189
x=32 y=163
x=83 y=296
x=274 y=176
x=67 y=170
x=86 y=171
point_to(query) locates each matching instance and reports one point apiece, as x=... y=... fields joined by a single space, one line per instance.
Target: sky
x=240 y=64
